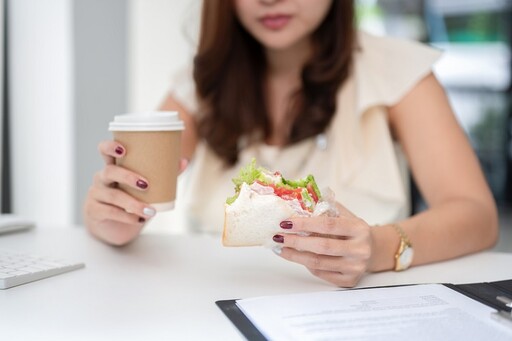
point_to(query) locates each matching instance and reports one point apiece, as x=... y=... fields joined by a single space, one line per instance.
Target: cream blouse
x=356 y=157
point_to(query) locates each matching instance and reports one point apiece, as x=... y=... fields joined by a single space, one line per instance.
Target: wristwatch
x=405 y=252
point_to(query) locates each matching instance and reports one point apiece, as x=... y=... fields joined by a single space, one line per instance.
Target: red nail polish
x=119 y=150
x=286 y=224
x=142 y=184
x=278 y=238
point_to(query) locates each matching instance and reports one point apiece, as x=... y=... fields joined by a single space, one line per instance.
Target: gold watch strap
x=405 y=244
x=402 y=234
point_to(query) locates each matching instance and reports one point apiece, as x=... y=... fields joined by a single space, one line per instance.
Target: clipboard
x=484 y=292
x=238 y=318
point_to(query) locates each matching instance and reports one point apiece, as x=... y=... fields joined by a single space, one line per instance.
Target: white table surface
x=164 y=287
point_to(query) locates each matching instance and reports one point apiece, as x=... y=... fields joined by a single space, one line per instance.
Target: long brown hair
x=229 y=70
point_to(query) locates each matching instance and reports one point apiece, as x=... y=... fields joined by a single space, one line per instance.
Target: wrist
x=385 y=243
x=405 y=251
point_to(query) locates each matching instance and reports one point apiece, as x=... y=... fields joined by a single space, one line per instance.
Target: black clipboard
x=238 y=318
x=484 y=292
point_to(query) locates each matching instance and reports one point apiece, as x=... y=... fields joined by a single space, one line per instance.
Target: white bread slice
x=254 y=218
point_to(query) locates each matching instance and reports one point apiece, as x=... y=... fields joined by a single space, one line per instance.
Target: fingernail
x=278 y=238
x=149 y=211
x=286 y=224
x=119 y=150
x=277 y=249
x=141 y=220
x=142 y=184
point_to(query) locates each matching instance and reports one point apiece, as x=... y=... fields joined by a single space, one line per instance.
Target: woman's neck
x=288 y=62
x=282 y=80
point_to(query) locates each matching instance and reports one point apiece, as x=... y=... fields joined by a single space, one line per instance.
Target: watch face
x=406 y=257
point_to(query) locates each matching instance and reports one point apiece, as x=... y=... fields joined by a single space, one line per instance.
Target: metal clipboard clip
x=503 y=316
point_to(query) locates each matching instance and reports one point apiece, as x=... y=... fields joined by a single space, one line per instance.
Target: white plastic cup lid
x=147 y=121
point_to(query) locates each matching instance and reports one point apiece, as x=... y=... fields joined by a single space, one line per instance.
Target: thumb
x=183 y=164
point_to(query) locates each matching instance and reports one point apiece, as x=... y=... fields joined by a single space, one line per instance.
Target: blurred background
x=475 y=69
x=69 y=66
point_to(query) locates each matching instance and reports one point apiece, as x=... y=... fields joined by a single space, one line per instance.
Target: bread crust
x=253 y=219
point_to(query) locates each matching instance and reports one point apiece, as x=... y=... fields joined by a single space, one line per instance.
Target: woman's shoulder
x=386 y=68
x=182 y=87
x=369 y=43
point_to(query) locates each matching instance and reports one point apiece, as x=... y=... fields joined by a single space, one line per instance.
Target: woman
x=291 y=83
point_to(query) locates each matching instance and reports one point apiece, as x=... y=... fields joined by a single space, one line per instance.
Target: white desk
x=163 y=287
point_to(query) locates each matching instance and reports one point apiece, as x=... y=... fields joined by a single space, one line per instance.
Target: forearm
x=451 y=229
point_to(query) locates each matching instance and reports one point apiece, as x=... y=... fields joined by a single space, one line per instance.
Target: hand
x=337 y=249
x=110 y=213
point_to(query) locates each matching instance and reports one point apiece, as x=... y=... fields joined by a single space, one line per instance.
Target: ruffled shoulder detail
x=183 y=89
x=386 y=69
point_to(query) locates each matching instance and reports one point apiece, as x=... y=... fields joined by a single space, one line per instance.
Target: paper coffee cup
x=153 y=150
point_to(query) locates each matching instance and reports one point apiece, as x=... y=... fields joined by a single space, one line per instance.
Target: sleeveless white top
x=356 y=157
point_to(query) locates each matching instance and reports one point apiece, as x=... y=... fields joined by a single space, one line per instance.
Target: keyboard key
x=17 y=269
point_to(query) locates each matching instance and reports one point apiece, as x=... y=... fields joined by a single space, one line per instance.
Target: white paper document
x=416 y=312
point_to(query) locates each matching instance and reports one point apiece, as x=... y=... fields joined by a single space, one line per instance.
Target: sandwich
x=262 y=200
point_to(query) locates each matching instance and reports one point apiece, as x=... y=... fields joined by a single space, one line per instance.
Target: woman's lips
x=275 y=22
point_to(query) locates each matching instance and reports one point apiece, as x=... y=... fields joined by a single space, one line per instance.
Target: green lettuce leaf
x=251 y=173
x=247 y=174
x=303 y=183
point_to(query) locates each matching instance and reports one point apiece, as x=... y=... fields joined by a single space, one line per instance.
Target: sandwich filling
x=302 y=195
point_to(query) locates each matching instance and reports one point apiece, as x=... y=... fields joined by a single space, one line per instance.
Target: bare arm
x=462 y=216
x=189 y=138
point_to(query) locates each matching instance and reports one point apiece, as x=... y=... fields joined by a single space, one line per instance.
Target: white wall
x=41 y=95
x=162 y=38
x=74 y=65
x=67 y=80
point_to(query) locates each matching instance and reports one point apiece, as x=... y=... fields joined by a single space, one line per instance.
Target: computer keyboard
x=13 y=223
x=18 y=268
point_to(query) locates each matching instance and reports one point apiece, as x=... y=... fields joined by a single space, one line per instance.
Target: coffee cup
x=152 y=141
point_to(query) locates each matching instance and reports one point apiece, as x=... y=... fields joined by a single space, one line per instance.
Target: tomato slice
x=312 y=192
x=292 y=193
x=287 y=192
